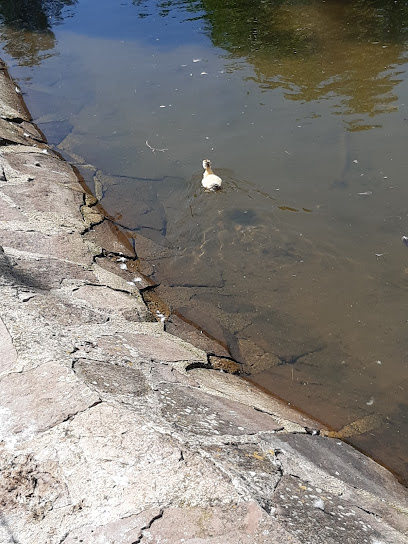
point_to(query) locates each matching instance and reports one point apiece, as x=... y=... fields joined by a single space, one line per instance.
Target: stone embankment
x=114 y=431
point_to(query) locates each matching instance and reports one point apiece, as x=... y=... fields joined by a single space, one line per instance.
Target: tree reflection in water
x=26 y=28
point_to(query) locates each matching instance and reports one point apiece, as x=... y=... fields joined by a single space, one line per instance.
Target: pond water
x=302 y=106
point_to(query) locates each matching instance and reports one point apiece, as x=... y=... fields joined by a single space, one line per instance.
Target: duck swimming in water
x=210 y=181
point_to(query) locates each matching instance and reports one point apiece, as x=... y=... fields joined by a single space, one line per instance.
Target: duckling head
x=206 y=164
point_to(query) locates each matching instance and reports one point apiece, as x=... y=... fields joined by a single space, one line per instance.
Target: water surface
x=297 y=264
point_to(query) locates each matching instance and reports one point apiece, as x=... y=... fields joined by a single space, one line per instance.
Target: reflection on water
x=297 y=263
x=26 y=28
x=316 y=50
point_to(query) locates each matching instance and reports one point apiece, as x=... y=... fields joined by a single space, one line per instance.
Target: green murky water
x=302 y=107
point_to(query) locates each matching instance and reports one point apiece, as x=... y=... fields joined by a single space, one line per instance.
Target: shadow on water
x=297 y=263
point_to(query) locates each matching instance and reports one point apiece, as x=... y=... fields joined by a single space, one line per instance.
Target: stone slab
x=111 y=301
x=233 y=387
x=340 y=469
x=242 y=524
x=40 y=195
x=164 y=347
x=258 y=470
x=341 y=461
x=57 y=311
x=23 y=164
x=111 y=239
x=33 y=401
x=65 y=247
x=111 y=464
x=313 y=515
x=47 y=273
x=10 y=132
x=188 y=331
x=197 y=413
x=11 y=104
x=127 y=530
x=131 y=275
x=115 y=380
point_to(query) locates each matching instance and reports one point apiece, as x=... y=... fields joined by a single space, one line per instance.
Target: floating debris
x=405 y=240
x=366 y=193
x=123 y=266
x=196 y=60
x=370 y=402
x=155 y=149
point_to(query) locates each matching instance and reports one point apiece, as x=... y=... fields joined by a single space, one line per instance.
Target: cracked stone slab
x=185 y=329
x=112 y=464
x=115 y=302
x=313 y=515
x=37 y=399
x=107 y=274
x=258 y=470
x=163 y=347
x=131 y=277
x=55 y=310
x=11 y=132
x=195 y=412
x=338 y=468
x=234 y=387
x=65 y=247
x=39 y=195
x=124 y=383
x=127 y=530
x=111 y=239
x=246 y=523
x=46 y=273
x=7 y=350
x=22 y=164
x=33 y=131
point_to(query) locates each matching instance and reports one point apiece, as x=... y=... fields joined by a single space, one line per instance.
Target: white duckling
x=210 y=181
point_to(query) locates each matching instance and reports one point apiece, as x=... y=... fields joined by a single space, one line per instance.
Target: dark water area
x=297 y=264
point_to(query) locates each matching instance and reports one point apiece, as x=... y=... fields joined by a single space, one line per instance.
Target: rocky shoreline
x=115 y=431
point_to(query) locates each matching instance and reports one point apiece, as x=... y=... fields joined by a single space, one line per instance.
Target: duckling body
x=210 y=181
